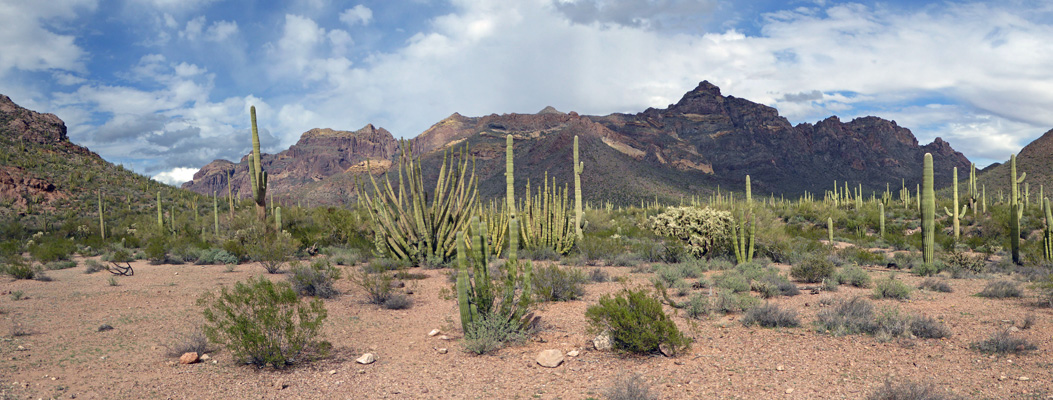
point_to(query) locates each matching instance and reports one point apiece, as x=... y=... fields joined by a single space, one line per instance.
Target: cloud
x=803 y=97
x=218 y=31
x=358 y=14
x=30 y=41
x=649 y=14
x=176 y=176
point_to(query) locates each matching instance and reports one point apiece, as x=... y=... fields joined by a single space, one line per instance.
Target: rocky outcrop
x=317 y=156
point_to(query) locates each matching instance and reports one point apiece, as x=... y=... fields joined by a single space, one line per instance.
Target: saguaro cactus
x=830 y=230
x=928 y=212
x=955 y=214
x=974 y=196
x=881 y=220
x=278 y=219
x=102 y=222
x=160 y=215
x=1047 y=233
x=1016 y=209
x=215 y=212
x=578 y=168
x=510 y=197
x=257 y=176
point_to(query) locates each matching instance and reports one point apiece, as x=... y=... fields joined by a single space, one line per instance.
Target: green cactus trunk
x=160 y=215
x=579 y=167
x=277 y=219
x=510 y=199
x=1047 y=233
x=955 y=214
x=881 y=220
x=215 y=213
x=102 y=222
x=257 y=176
x=830 y=230
x=1016 y=210
x=928 y=212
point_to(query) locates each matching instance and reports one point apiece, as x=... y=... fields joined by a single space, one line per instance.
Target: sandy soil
x=65 y=356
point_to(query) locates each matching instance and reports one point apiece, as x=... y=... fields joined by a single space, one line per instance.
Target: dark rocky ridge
x=704 y=140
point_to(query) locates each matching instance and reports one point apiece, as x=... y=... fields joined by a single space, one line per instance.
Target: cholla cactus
x=701 y=229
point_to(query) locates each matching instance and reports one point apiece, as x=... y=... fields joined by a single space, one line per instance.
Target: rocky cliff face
x=317 y=156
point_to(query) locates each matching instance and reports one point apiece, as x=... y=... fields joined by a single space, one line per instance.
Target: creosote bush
x=553 y=283
x=853 y=275
x=1001 y=289
x=891 y=288
x=936 y=285
x=273 y=250
x=636 y=322
x=813 y=269
x=377 y=285
x=264 y=323
x=315 y=279
x=771 y=315
x=1002 y=342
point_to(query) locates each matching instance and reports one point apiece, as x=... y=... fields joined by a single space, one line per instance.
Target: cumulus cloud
x=218 y=31
x=30 y=44
x=356 y=15
x=656 y=14
x=176 y=176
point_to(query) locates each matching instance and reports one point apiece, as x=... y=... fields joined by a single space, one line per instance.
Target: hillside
x=43 y=173
x=1036 y=159
x=690 y=148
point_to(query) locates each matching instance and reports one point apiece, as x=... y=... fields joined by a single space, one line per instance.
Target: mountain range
x=704 y=141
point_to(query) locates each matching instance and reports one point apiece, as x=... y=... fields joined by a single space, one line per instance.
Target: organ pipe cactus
x=955 y=214
x=579 y=167
x=1016 y=209
x=409 y=228
x=546 y=221
x=928 y=212
x=510 y=196
x=742 y=243
x=257 y=176
x=478 y=296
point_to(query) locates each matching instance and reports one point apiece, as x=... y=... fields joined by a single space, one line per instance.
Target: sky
x=164 y=86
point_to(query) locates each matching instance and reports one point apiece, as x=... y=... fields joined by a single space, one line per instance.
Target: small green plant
x=377 y=286
x=813 y=269
x=636 y=323
x=847 y=317
x=553 y=283
x=926 y=327
x=1001 y=289
x=598 y=275
x=398 y=302
x=18 y=295
x=891 y=288
x=1001 y=342
x=630 y=387
x=112 y=281
x=908 y=390
x=771 y=315
x=273 y=250
x=936 y=285
x=697 y=307
x=726 y=302
x=57 y=265
x=853 y=275
x=193 y=341
x=91 y=266
x=928 y=269
x=263 y=323
x=490 y=333
x=315 y=279
x=732 y=280
x=19 y=269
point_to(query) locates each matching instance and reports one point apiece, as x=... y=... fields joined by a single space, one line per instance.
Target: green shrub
x=636 y=322
x=1002 y=342
x=315 y=279
x=927 y=269
x=398 y=302
x=56 y=265
x=771 y=316
x=699 y=229
x=697 y=306
x=847 y=317
x=926 y=327
x=891 y=288
x=92 y=266
x=273 y=250
x=378 y=265
x=732 y=280
x=813 y=269
x=541 y=253
x=490 y=333
x=631 y=387
x=936 y=285
x=962 y=265
x=727 y=302
x=599 y=275
x=1001 y=289
x=553 y=283
x=263 y=323
x=908 y=390
x=18 y=269
x=214 y=257
x=377 y=286
x=342 y=256
x=47 y=249
x=853 y=275
x=156 y=250
x=627 y=260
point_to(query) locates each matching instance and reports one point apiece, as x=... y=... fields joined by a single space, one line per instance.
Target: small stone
x=443 y=350
x=666 y=350
x=790 y=390
x=444 y=337
x=1014 y=329
x=215 y=361
x=573 y=353
x=602 y=342
x=177 y=273
x=189 y=358
x=105 y=327
x=780 y=368
x=332 y=372
x=280 y=385
x=205 y=357
x=367 y=358
x=433 y=332
x=1002 y=378
x=550 y=358
x=1023 y=378
x=21 y=348
x=361 y=371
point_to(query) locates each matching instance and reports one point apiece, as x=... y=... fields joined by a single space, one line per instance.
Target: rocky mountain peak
x=30 y=125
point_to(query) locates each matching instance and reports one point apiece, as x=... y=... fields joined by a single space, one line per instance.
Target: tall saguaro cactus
x=1016 y=209
x=955 y=214
x=1047 y=233
x=257 y=176
x=160 y=215
x=881 y=220
x=578 y=168
x=928 y=212
x=974 y=196
x=102 y=222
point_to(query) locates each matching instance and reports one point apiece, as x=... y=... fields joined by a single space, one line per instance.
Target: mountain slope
x=687 y=149
x=1036 y=159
